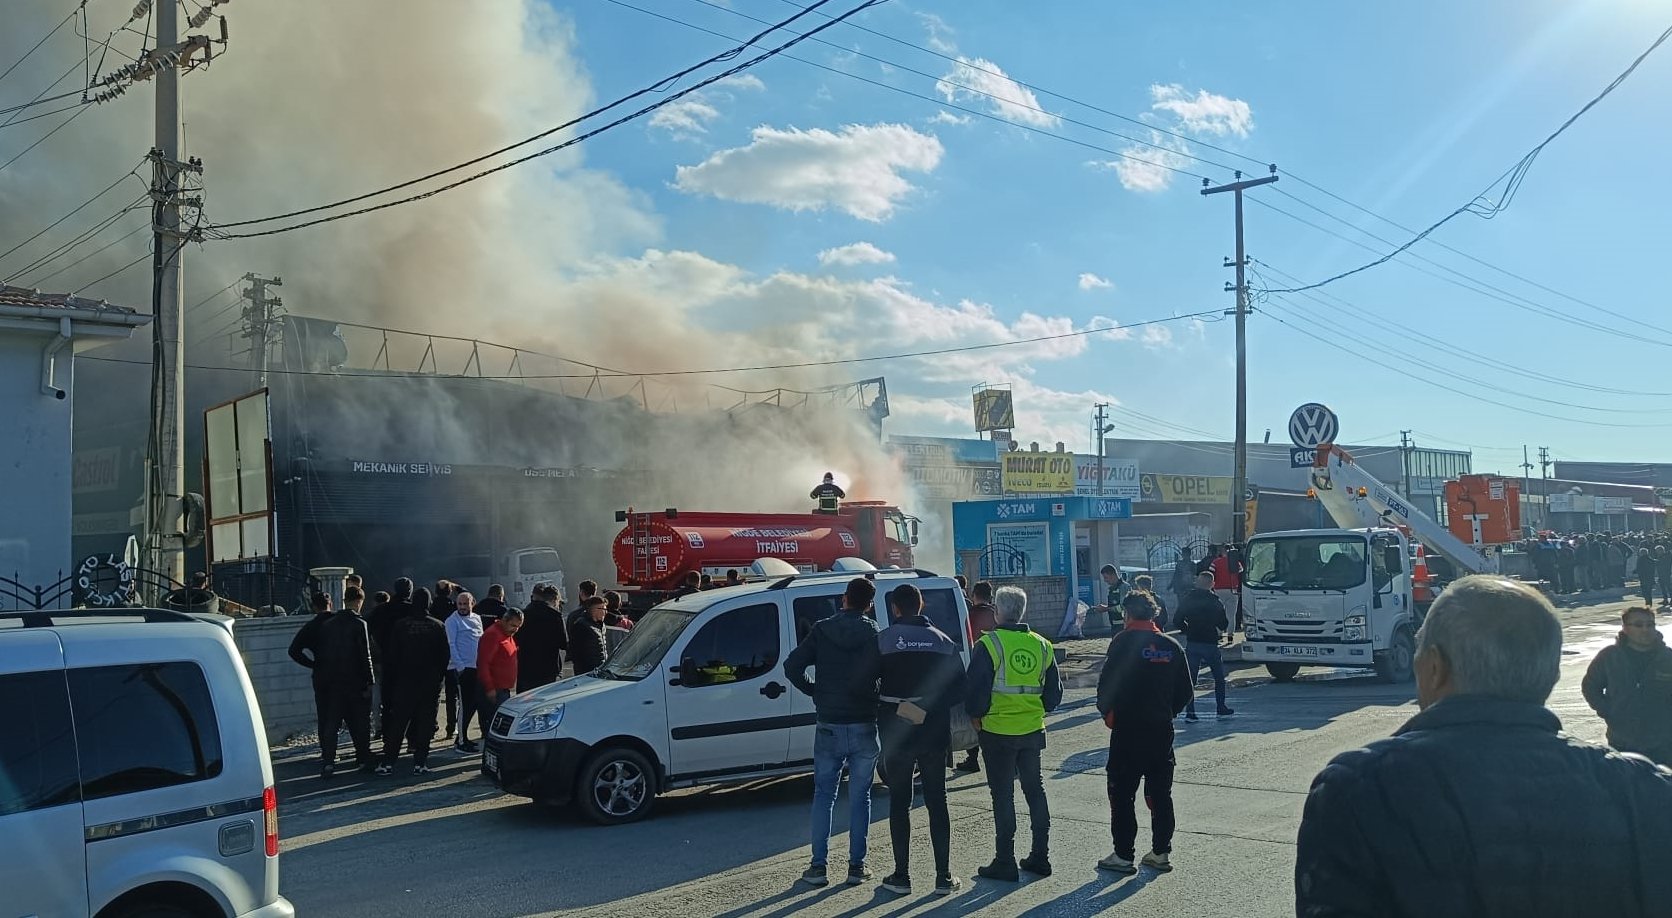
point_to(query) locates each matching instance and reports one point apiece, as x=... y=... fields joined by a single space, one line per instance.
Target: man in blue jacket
x=842 y=649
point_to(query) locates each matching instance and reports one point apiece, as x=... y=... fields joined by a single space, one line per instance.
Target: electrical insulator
x=140 y=9
x=200 y=17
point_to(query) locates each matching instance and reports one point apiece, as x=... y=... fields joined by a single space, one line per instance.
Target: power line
x=36 y=46
x=111 y=274
x=655 y=374
x=80 y=110
x=1482 y=205
x=64 y=248
x=659 y=86
x=131 y=173
x=143 y=227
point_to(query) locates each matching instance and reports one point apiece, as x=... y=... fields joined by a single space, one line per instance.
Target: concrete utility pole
x=1239 y=480
x=1544 y=481
x=1405 y=460
x=168 y=408
x=259 y=317
x=1101 y=426
x=1526 y=487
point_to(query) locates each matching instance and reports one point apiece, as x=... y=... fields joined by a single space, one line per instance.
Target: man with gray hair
x=1480 y=805
x=1012 y=683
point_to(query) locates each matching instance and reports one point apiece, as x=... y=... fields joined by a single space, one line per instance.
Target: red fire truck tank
x=655 y=551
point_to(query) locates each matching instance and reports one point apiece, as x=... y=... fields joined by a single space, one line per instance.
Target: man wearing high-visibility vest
x=1013 y=684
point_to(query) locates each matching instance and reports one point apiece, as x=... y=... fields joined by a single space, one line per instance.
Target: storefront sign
x=96 y=470
x=1120 y=477
x=366 y=467
x=1162 y=488
x=1038 y=473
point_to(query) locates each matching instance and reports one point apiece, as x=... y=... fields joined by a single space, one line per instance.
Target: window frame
x=208 y=751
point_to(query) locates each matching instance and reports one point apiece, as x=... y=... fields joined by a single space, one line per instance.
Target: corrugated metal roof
x=27 y=298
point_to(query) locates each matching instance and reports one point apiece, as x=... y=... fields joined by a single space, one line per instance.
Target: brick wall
x=1048 y=603
x=283 y=689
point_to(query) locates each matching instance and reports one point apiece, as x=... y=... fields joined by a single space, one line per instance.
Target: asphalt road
x=450 y=844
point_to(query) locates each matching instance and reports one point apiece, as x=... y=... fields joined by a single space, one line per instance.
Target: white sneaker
x=1117 y=863
x=1155 y=860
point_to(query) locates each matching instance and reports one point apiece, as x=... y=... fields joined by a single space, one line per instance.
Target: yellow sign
x=1162 y=488
x=1038 y=473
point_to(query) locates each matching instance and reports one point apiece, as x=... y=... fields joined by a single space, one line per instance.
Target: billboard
x=994 y=410
x=1037 y=473
x=1120 y=477
x=1162 y=488
x=237 y=477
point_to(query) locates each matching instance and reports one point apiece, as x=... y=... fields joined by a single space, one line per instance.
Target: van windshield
x=1306 y=563
x=647 y=644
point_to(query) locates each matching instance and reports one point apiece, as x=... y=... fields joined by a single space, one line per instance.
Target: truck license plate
x=491 y=761
x=1297 y=651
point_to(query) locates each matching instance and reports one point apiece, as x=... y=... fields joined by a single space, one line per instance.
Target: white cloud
x=1157 y=337
x=980 y=80
x=857 y=169
x=940 y=34
x=689 y=118
x=858 y=253
x=945 y=117
x=1204 y=113
x=1090 y=281
x=1148 y=168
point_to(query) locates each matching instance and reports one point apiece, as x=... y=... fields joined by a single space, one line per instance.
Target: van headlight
x=543 y=719
x=1352 y=628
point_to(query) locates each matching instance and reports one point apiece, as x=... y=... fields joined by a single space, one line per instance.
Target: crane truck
x=1354 y=596
x=655 y=551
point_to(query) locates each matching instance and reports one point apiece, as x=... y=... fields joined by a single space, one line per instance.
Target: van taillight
x=270 y=812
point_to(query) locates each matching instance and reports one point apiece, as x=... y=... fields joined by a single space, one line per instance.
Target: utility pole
x=1405 y=460
x=1099 y=424
x=1544 y=481
x=1239 y=479
x=1526 y=486
x=258 y=321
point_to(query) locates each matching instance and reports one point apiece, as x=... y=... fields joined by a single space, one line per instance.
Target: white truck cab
x=695 y=695
x=1331 y=597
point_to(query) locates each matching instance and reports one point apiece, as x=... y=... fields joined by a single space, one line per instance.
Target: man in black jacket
x=922 y=679
x=414 y=662
x=1630 y=686
x=541 y=641
x=1480 y=806
x=493 y=605
x=588 y=644
x=1202 y=620
x=343 y=679
x=843 y=651
x=1143 y=686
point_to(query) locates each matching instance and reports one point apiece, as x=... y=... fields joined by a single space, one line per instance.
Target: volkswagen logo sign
x=1311 y=425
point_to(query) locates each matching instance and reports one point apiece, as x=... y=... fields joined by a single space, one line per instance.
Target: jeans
x=1199 y=655
x=1145 y=756
x=925 y=748
x=1010 y=758
x=833 y=746
x=337 y=705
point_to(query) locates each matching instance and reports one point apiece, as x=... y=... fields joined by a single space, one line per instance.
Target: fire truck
x=655 y=551
x=1354 y=596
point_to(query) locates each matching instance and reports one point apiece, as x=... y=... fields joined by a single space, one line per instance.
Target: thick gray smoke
x=314 y=101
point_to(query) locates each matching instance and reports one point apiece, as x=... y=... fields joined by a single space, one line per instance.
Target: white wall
x=35 y=467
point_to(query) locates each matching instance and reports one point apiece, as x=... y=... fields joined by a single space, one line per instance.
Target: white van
x=695 y=695
x=134 y=776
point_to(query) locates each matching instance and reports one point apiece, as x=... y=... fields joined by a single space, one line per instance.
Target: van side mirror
x=690 y=675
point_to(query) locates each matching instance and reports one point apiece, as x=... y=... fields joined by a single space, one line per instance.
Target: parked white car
x=134 y=775
x=695 y=695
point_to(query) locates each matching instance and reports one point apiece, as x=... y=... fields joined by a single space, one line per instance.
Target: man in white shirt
x=464 y=632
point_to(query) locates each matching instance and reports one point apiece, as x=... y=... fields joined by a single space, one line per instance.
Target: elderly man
x=1012 y=684
x=1480 y=806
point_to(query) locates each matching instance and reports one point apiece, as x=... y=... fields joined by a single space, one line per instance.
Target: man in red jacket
x=496 y=662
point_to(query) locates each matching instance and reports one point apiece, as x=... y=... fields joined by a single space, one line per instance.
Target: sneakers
x=384 y=771
x=327 y=770
x=466 y=748
x=420 y=769
x=897 y=883
x=857 y=874
x=814 y=875
x=968 y=766
x=1156 y=860
x=1037 y=864
x=947 y=885
x=1225 y=712
x=1190 y=717
x=999 y=870
x=1114 y=862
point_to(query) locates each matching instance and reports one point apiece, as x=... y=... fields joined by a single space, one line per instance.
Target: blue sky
x=1408 y=115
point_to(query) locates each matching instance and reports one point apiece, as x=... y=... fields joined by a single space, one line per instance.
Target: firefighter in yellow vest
x=1013 y=684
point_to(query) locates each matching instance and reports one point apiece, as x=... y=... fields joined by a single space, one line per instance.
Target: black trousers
x=1010 y=758
x=904 y=748
x=337 y=705
x=465 y=704
x=451 y=681
x=1145 y=756
x=412 y=717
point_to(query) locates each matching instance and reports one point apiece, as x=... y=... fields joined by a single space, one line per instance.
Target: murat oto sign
x=1037 y=473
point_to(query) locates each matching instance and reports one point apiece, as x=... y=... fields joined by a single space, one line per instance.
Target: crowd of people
x=389 y=674
x=1581 y=561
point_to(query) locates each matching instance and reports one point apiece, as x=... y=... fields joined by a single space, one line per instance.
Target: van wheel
x=1397 y=663
x=616 y=786
x=1283 y=672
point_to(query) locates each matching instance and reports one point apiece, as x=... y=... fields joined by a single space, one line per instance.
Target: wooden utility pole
x=1239 y=480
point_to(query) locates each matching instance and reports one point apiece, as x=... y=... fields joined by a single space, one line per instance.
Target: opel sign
x=1311 y=425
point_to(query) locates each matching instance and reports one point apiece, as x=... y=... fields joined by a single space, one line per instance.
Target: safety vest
x=1020 y=659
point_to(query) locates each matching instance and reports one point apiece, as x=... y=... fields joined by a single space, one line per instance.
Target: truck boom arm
x=1355 y=498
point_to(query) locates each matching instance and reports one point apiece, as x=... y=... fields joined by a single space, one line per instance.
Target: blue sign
x=1109 y=508
x=1022 y=509
x=1302 y=457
